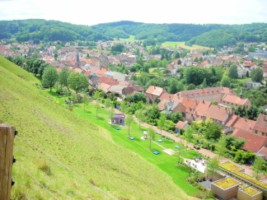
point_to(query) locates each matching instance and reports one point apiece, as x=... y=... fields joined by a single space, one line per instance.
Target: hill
x=47 y=30
x=210 y=35
x=62 y=156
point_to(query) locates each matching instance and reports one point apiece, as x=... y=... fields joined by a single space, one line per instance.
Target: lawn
x=184 y=46
x=164 y=161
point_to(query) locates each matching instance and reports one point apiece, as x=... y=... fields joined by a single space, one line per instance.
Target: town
x=110 y=67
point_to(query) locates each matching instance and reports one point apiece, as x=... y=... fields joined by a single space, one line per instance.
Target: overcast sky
x=151 y=11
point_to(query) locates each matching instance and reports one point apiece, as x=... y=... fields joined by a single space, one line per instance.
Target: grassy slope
x=84 y=161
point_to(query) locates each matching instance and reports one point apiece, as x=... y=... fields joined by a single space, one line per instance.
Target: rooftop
x=226 y=183
x=250 y=191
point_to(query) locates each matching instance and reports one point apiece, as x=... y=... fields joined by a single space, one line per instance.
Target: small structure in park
x=246 y=192
x=225 y=188
x=118 y=119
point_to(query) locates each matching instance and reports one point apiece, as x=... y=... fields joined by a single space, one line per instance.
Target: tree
x=257 y=75
x=77 y=82
x=175 y=117
x=226 y=81
x=152 y=115
x=233 y=74
x=151 y=134
x=49 y=77
x=161 y=122
x=129 y=121
x=212 y=130
x=85 y=101
x=259 y=166
x=212 y=166
x=63 y=77
x=140 y=116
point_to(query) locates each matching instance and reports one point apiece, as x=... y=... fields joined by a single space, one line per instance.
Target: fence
x=7 y=135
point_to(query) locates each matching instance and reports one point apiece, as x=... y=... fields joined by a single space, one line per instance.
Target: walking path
x=204 y=152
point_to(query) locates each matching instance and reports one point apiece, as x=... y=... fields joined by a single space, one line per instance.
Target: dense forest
x=211 y=35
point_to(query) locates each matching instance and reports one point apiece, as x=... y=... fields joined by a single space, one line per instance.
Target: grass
x=64 y=154
x=163 y=161
x=184 y=46
x=130 y=39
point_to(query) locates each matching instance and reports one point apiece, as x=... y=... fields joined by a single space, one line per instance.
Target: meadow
x=184 y=46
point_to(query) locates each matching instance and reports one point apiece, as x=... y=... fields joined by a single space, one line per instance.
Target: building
x=226 y=188
x=260 y=127
x=233 y=100
x=153 y=93
x=180 y=125
x=118 y=119
x=253 y=143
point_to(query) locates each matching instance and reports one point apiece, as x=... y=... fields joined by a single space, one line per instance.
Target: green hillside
x=62 y=156
x=210 y=35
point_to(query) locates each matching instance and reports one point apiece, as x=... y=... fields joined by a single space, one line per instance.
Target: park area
x=164 y=152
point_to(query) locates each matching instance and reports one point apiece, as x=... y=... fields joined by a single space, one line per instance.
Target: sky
x=148 y=11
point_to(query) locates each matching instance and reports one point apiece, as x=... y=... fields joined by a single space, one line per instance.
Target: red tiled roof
x=252 y=142
x=205 y=91
x=233 y=99
x=108 y=80
x=218 y=113
x=181 y=124
x=189 y=104
x=232 y=120
x=105 y=87
x=249 y=63
x=263 y=152
x=244 y=124
x=202 y=108
x=167 y=97
x=154 y=90
x=261 y=123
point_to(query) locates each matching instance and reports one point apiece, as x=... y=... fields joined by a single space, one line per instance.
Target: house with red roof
x=236 y=122
x=212 y=94
x=218 y=114
x=233 y=100
x=154 y=92
x=180 y=125
x=260 y=127
x=262 y=152
x=253 y=143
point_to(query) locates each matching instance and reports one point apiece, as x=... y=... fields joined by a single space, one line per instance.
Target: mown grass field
x=184 y=46
x=61 y=155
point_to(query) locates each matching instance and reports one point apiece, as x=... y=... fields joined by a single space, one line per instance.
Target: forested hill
x=47 y=30
x=212 y=35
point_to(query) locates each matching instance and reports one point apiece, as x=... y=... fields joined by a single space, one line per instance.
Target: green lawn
x=164 y=161
x=184 y=46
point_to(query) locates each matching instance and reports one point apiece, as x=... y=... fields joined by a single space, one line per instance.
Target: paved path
x=204 y=152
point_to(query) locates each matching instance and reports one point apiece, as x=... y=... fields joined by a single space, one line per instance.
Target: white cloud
x=167 y=11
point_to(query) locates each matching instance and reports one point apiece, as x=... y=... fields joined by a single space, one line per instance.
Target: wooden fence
x=7 y=134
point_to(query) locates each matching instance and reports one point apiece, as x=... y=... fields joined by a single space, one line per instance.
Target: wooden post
x=7 y=134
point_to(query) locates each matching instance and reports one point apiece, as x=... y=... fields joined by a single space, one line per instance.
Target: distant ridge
x=211 y=35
